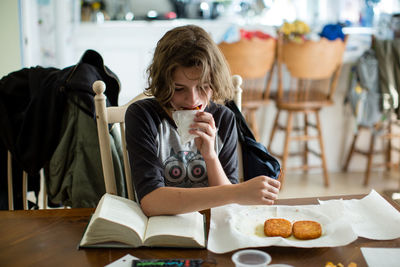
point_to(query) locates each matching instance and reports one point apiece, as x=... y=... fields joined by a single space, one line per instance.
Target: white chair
x=116 y=115
x=112 y=115
x=10 y=185
x=24 y=186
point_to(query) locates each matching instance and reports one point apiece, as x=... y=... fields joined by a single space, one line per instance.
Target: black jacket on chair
x=32 y=103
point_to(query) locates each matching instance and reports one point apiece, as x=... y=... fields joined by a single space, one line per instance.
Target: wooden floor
x=311 y=185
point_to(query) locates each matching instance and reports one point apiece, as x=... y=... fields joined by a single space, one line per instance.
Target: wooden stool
x=313 y=70
x=253 y=60
x=385 y=132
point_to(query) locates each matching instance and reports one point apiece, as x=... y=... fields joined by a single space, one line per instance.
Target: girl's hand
x=204 y=128
x=260 y=190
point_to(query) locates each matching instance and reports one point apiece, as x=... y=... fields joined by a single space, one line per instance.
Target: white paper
x=378 y=257
x=236 y=226
x=125 y=261
x=183 y=119
x=371 y=217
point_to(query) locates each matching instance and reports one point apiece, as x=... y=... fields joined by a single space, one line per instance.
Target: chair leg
x=369 y=159
x=271 y=138
x=274 y=127
x=43 y=187
x=305 y=152
x=249 y=120
x=389 y=147
x=10 y=182
x=253 y=120
x=321 y=144
x=352 y=148
x=25 y=190
x=288 y=133
x=281 y=179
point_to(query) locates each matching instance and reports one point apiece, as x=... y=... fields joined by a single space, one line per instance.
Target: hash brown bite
x=277 y=227
x=306 y=230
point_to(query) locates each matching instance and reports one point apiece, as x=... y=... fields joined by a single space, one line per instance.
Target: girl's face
x=189 y=93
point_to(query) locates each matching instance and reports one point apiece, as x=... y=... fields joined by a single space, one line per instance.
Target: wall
x=127 y=49
x=10 y=46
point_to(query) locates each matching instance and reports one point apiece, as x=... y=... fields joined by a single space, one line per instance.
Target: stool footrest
x=303 y=138
x=309 y=124
x=390 y=136
x=386 y=164
x=315 y=153
x=305 y=167
x=366 y=153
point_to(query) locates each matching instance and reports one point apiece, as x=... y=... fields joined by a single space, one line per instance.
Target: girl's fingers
x=268 y=201
x=204 y=127
x=273 y=190
x=275 y=183
x=206 y=118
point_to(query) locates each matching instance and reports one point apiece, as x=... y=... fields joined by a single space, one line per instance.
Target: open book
x=120 y=222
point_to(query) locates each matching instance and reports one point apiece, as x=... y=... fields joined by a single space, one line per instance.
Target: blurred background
x=125 y=32
x=57 y=32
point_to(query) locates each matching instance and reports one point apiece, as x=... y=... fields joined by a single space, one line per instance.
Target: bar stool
x=388 y=58
x=384 y=131
x=311 y=73
x=254 y=61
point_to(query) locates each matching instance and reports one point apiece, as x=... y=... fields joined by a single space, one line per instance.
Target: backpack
x=256 y=158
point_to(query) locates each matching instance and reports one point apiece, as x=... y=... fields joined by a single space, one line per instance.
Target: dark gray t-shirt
x=157 y=157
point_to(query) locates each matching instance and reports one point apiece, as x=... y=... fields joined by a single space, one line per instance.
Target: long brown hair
x=188 y=46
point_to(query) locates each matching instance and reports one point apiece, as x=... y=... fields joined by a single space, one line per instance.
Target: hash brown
x=277 y=227
x=305 y=230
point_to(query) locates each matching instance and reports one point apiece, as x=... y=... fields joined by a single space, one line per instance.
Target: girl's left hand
x=204 y=128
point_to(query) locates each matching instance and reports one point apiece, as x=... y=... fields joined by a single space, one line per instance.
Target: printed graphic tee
x=157 y=157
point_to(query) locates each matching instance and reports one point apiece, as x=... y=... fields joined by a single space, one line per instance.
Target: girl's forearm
x=175 y=200
x=216 y=174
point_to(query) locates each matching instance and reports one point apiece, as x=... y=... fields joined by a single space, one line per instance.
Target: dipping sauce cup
x=251 y=258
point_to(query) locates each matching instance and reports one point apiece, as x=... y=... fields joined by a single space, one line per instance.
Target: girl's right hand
x=260 y=190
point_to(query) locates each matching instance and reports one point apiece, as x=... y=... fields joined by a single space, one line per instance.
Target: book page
x=124 y=211
x=183 y=230
x=116 y=219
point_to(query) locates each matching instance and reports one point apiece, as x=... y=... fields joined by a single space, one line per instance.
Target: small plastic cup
x=251 y=258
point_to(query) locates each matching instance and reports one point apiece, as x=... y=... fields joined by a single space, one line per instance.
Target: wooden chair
x=116 y=115
x=24 y=186
x=105 y=116
x=253 y=60
x=312 y=70
x=384 y=131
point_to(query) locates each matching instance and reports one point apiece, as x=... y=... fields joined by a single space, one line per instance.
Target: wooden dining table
x=50 y=238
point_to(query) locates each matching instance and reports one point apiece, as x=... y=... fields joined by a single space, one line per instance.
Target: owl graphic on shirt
x=185 y=169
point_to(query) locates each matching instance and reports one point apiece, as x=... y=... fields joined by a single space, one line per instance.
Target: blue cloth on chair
x=332 y=32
